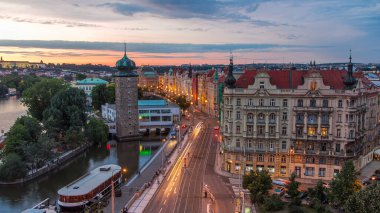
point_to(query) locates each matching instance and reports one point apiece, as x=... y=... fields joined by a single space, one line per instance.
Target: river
x=15 y=198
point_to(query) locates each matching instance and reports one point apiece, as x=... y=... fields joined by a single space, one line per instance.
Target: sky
x=174 y=32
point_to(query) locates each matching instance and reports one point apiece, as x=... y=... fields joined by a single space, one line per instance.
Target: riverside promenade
x=138 y=183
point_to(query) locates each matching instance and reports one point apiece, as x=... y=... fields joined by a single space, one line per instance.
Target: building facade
x=87 y=85
x=307 y=122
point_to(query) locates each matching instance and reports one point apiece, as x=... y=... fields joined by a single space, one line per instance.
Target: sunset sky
x=159 y=32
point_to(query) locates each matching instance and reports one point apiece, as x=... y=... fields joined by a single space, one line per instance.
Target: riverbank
x=52 y=165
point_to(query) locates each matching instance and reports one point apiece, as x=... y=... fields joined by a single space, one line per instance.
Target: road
x=182 y=189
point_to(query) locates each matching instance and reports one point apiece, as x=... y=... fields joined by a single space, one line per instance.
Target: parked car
x=302 y=195
x=280 y=182
x=279 y=190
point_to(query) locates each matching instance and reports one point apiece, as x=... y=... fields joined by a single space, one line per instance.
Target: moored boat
x=89 y=188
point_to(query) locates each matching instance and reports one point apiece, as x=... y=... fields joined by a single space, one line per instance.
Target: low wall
x=54 y=164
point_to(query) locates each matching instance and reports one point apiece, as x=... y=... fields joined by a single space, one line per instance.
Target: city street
x=182 y=189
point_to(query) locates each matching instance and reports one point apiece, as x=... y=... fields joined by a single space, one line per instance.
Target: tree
x=102 y=94
x=66 y=112
x=258 y=184
x=292 y=190
x=96 y=131
x=3 y=90
x=38 y=153
x=12 y=168
x=364 y=201
x=80 y=76
x=273 y=203
x=37 y=97
x=182 y=102
x=344 y=184
x=318 y=193
x=26 y=130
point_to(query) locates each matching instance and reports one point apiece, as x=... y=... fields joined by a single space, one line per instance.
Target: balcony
x=313 y=109
x=300 y=122
x=249 y=120
x=262 y=108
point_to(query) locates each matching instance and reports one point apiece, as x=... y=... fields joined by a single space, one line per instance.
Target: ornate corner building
x=305 y=121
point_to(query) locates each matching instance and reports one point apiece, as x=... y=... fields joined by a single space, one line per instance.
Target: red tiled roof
x=281 y=78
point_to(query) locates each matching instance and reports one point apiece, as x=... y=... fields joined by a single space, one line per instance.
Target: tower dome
x=230 y=80
x=125 y=64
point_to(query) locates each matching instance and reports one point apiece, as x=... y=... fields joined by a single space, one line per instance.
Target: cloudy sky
x=196 y=31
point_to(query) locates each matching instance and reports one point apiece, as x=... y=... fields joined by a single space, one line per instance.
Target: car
x=302 y=195
x=216 y=128
x=377 y=171
x=279 y=190
x=375 y=177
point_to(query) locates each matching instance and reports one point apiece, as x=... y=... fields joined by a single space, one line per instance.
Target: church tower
x=127 y=123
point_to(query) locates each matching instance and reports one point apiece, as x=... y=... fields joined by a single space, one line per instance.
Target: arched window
x=261 y=118
x=272 y=118
x=250 y=117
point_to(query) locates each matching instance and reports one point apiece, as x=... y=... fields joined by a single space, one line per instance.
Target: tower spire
x=125 y=49
x=350 y=55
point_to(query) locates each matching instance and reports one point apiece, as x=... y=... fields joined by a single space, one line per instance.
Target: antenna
x=125 y=49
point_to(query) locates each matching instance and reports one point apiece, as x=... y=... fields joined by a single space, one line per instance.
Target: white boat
x=89 y=188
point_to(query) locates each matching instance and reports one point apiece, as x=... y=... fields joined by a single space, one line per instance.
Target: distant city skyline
x=163 y=32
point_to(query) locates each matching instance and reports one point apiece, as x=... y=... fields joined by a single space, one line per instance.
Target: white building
x=153 y=114
x=87 y=85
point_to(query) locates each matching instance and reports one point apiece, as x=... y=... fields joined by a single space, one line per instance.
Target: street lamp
x=113 y=188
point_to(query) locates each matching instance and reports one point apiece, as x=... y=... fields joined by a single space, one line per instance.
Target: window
x=339 y=118
x=338 y=133
x=312 y=119
x=260 y=118
x=311 y=131
x=272 y=118
x=166 y=118
x=260 y=158
x=260 y=145
x=250 y=117
x=249 y=158
x=285 y=102
x=237 y=167
x=322 y=160
x=284 y=116
x=283 y=169
x=336 y=162
x=155 y=118
x=283 y=145
x=325 y=119
x=259 y=168
x=248 y=167
x=250 y=102
x=351 y=134
x=271 y=169
x=226 y=128
x=238 y=102
x=261 y=102
x=325 y=103
x=309 y=171
x=272 y=130
x=324 y=132
x=261 y=84
x=260 y=130
x=249 y=144
x=313 y=103
x=299 y=131
x=322 y=172
x=283 y=130
x=310 y=160
x=272 y=102
x=336 y=171
x=283 y=158
x=300 y=118
x=250 y=129
x=337 y=147
x=237 y=115
x=271 y=146
x=271 y=158
x=300 y=103
x=237 y=143
x=340 y=103
x=238 y=129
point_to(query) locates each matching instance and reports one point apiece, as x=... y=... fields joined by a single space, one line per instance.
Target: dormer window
x=261 y=84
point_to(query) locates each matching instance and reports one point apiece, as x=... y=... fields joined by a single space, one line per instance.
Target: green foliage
x=80 y=76
x=273 y=203
x=102 y=94
x=318 y=192
x=3 y=90
x=295 y=209
x=182 y=102
x=12 y=168
x=292 y=190
x=37 y=97
x=73 y=138
x=38 y=153
x=66 y=112
x=364 y=201
x=96 y=131
x=258 y=184
x=25 y=130
x=344 y=184
x=20 y=83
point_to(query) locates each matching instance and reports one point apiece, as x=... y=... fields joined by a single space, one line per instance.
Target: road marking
x=160 y=210
x=165 y=201
x=175 y=190
x=208 y=208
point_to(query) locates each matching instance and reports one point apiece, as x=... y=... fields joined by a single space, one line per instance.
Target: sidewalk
x=139 y=205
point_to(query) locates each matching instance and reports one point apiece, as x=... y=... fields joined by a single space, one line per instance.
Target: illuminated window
x=324 y=132
x=311 y=131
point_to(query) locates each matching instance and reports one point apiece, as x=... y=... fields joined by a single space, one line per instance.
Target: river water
x=15 y=198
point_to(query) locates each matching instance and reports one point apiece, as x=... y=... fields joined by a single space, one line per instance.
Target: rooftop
x=90 y=181
x=152 y=103
x=89 y=81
